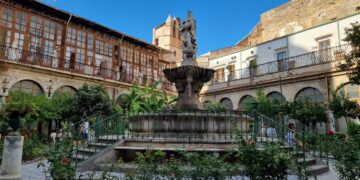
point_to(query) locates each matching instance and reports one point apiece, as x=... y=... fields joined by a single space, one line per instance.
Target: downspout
x=69 y=19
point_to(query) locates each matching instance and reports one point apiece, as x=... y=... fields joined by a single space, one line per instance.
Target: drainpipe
x=69 y=19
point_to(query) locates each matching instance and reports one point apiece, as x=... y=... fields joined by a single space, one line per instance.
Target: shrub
x=59 y=158
x=347 y=156
x=270 y=163
x=214 y=107
x=33 y=148
x=353 y=129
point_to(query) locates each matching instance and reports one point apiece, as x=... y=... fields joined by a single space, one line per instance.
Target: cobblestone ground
x=32 y=172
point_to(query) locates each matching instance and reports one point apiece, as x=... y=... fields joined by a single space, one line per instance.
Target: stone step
x=80 y=156
x=318 y=169
x=98 y=144
x=307 y=160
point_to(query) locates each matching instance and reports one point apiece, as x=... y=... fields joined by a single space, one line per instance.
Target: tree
x=307 y=112
x=90 y=100
x=341 y=105
x=352 y=60
x=148 y=98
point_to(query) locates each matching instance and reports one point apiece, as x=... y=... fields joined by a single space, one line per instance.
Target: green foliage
x=265 y=105
x=59 y=158
x=215 y=107
x=270 y=163
x=90 y=100
x=153 y=165
x=35 y=109
x=307 y=112
x=33 y=148
x=146 y=99
x=347 y=156
x=352 y=61
x=24 y=104
x=341 y=105
x=353 y=129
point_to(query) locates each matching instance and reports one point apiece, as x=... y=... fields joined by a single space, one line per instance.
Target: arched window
x=276 y=96
x=122 y=101
x=310 y=94
x=27 y=86
x=352 y=91
x=245 y=100
x=65 y=89
x=227 y=103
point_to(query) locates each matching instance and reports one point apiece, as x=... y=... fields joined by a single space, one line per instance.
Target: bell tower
x=167 y=36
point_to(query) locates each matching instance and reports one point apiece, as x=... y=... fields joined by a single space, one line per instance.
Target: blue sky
x=220 y=23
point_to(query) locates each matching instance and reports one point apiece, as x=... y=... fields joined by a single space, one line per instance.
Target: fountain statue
x=189 y=77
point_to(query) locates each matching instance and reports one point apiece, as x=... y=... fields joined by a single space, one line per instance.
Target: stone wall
x=291 y=17
x=167 y=36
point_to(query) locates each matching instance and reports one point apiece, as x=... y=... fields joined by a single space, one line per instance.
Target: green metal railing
x=187 y=127
x=101 y=133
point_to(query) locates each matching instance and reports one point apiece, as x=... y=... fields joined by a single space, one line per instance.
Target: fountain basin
x=188 y=122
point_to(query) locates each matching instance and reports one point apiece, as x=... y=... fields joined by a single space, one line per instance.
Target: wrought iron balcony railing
x=324 y=56
x=123 y=75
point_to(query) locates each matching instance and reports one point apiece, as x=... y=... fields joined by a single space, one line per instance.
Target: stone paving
x=32 y=172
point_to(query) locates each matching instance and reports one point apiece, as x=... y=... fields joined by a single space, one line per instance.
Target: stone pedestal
x=11 y=158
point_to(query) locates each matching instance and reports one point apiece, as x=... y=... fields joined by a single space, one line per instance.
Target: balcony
x=313 y=62
x=9 y=54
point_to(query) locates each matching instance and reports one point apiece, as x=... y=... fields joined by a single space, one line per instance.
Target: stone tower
x=167 y=36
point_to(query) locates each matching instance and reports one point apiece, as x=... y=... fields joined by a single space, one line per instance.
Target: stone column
x=11 y=158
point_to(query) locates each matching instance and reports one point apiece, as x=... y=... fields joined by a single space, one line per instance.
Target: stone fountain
x=189 y=77
x=189 y=127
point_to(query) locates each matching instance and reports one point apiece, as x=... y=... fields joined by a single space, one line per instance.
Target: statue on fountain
x=189 y=77
x=187 y=30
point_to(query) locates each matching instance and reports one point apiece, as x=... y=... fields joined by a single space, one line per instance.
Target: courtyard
x=80 y=100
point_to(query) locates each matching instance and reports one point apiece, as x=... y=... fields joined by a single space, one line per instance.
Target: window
x=309 y=94
x=5 y=36
x=108 y=49
x=59 y=34
x=90 y=42
x=71 y=36
x=35 y=25
x=35 y=45
x=137 y=57
x=99 y=47
x=324 y=44
x=142 y=59
x=20 y=21
x=28 y=87
x=48 y=50
x=227 y=103
x=281 y=55
x=276 y=96
x=81 y=39
x=19 y=40
x=231 y=69
x=7 y=17
x=49 y=30
x=282 y=63
x=123 y=53
x=157 y=41
x=219 y=75
x=324 y=51
x=80 y=56
x=245 y=101
x=65 y=89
